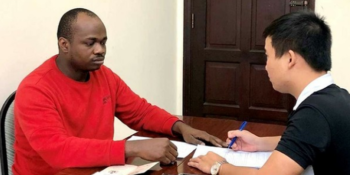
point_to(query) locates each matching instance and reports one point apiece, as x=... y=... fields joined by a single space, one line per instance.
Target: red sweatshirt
x=61 y=123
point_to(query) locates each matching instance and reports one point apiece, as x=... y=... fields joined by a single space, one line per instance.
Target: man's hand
x=204 y=163
x=246 y=141
x=158 y=149
x=195 y=136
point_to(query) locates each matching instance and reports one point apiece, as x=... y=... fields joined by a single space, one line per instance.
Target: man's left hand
x=204 y=163
x=195 y=136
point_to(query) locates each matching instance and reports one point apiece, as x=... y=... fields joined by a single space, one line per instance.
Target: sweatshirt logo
x=106 y=99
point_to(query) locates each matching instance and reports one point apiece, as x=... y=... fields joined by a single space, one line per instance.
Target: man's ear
x=292 y=58
x=63 y=44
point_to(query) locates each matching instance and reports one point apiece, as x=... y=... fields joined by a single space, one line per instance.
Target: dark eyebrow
x=94 y=39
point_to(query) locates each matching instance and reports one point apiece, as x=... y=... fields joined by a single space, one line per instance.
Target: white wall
x=179 y=54
x=336 y=13
x=142 y=43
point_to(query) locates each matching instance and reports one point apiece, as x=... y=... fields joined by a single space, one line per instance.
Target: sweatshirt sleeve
x=45 y=132
x=138 y=114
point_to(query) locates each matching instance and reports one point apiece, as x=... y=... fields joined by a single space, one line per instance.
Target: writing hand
x=246 y=141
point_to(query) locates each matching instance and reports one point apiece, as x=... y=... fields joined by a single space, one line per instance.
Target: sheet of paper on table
x=183 y=149
x=241 y=158
x=126 y=169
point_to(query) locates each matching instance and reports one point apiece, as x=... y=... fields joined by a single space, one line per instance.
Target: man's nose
x=100 y=49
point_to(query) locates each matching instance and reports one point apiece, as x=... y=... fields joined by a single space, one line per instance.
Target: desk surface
x=217 y=127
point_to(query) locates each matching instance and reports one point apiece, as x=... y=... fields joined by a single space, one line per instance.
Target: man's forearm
x=268 y=143
x=178 y=126
x=228 y=169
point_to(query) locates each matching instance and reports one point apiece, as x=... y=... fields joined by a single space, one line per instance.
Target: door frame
x=186 y=96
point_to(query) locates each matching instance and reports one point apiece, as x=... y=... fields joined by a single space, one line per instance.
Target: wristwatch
x=214 y=170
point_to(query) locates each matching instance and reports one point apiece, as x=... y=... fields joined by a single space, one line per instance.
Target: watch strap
x=216 y=167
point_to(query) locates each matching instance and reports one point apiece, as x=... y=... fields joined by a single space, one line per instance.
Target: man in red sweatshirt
x=65 y=108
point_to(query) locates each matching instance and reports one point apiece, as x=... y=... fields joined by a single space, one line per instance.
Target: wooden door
x=224 y=60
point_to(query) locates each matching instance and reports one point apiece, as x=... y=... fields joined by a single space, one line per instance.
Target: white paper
x=248 y=159
x=238 y=158
x=203 y=150
x=241 y=158
x=183 y=149
x=126 y=169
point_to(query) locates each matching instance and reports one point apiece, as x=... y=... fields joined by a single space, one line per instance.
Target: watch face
x=215 y=168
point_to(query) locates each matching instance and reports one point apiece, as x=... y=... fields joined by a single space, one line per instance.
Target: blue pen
x=235 y=138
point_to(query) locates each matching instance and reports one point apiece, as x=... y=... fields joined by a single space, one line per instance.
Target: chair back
x=7 y=135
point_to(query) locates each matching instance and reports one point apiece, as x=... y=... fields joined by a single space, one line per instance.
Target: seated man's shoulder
x=329 y=96
x=332 y=102
x=35 y=77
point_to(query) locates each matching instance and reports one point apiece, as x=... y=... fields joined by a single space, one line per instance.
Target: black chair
x=7 y=136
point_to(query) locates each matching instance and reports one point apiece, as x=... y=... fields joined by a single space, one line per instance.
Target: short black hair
x=65 y=25
x=305 y=33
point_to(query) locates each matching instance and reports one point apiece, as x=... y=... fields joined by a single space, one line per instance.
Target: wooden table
x=217 y=127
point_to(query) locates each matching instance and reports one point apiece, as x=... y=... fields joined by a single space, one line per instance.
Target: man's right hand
x=246 y=141
x=158 y=149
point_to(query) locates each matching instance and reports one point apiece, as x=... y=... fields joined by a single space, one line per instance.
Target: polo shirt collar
x=316 y=85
